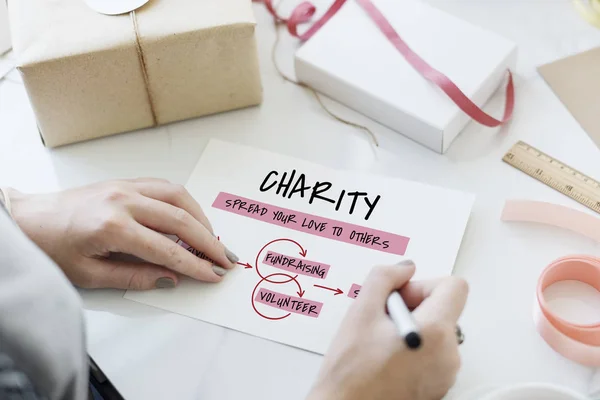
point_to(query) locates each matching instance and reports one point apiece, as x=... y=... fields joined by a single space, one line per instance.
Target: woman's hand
x=80 y=228
x=369 y=360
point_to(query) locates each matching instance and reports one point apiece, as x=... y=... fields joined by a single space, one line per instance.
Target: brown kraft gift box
x=90 y=75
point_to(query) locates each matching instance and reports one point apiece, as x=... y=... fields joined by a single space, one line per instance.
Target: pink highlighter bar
x=289 y=303
x=354 y=290
x=313 y=224
x=297 y=265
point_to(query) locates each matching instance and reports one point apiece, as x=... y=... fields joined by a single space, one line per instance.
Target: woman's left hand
x=80 y=228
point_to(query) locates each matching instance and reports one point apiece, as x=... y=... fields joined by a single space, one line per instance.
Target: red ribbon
x=304 y=12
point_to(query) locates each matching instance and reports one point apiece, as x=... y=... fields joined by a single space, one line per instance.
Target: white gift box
x=350 y=60
x=4 y=31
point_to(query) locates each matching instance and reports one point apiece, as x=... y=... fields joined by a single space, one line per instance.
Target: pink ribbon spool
x=577 y=342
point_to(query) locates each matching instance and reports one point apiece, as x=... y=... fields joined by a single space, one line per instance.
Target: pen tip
x=413 y=340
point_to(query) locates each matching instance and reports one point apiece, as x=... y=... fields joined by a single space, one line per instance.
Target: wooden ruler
x=555 y=174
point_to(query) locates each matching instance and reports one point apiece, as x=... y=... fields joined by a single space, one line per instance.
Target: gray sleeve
x=42 y=345
x=14 y=384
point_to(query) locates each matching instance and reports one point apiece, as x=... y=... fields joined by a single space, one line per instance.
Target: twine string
x=276 y=24
x=143 y=67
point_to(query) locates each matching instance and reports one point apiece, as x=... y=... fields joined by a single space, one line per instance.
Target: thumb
x=129 y=275
x=384 y=280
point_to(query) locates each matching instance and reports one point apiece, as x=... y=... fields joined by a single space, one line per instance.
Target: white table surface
x=151 y=354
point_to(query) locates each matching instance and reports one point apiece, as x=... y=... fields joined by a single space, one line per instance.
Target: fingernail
x=405 y=263
x=219 y=270
x=164 y=283
x=231 y=256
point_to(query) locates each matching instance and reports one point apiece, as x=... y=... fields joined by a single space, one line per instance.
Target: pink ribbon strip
x=552 y=214
x=577 y=342
x=304 y=12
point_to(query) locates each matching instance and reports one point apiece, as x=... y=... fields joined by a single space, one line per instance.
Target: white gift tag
x=115 y=7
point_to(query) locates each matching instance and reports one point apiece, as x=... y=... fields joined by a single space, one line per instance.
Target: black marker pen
x=402 y=317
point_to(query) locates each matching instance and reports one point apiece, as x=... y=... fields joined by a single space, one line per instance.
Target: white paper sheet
x=5 y=42
x=595 y=386
x=7 y=64
x=410 y=220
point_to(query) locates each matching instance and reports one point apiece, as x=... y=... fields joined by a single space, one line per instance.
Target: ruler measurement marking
x=555 y=174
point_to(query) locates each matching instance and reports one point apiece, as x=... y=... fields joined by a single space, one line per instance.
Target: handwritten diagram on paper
x=296 y=264
x=307 y=237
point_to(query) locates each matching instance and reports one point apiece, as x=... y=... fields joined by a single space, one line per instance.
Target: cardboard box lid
x=45 y=30
x=576 y=82
x=351 y=48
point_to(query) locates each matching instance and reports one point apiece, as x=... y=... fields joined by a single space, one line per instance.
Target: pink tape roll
x=578 y=342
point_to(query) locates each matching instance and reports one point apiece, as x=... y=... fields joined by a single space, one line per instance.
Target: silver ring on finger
x=460 y=337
